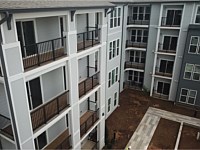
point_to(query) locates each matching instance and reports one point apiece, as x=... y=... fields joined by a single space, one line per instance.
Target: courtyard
x=143 y=122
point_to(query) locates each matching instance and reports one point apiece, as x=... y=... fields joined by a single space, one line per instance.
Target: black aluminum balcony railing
x=165 y=50
x=5 y=127
x=130 y=21
x=159 y=95
x=39 y=53
x=88 y=39
x=42 y=114
x=88 y=120
x=135 y=44
x=88 y=84
x=1 y=74
x=133 y=85
x=170 y=22
x=135 y=65
x=162 y=73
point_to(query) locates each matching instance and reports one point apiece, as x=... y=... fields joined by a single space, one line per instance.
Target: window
x=116 y=74
x=109 y=79
x=136 y=76
x=115 y=99
x=140 y=36
x=166 y=66
x=170 y=43
x=115 y=17
x=113 y=76
x=40 y=141
x=198 y=15
x=137 y=56
x=194 y=45
x=196 y=73
x=109 y=102
x=141 y=13
x=114 y=49
x=188 y=96
x=188 y=71
x=163 y=88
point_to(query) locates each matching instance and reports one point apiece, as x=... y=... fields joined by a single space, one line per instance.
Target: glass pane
x=139 y=39
x=194 y=40
x=196 y=76
x=148 y=9
x=119 y=12
x=191 y=100
x=197 y=19
x=141 y=9
x=140 y=16
x=188 y=67
x=139 y=32
x=133 y=32
x=183 y=99
x=198 y=10
x=187 y=75
x=197 y=69
x=184 y=92
x=135 y=9
x=160 y=87
x=42 y=141
x=192 y=93
x=147 y=17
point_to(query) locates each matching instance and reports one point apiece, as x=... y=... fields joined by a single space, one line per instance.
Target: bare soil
x=122 y=123
x=162 y=139
x=188 y=138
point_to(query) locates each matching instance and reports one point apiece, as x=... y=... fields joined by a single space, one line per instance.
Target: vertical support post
x=93 y=37
x=83 y=40
x=38 y=55
x=57 y=102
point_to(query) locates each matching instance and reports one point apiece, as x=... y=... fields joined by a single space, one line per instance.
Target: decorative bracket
x=72 y=15
x=9 y=21
x=105 y=12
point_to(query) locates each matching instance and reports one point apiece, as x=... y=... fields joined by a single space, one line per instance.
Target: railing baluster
x=83 y=40
x=44 y=113
x=37 y=53
x=92 y=82
x=84 y=83
x=53 y=50
x=57 y=102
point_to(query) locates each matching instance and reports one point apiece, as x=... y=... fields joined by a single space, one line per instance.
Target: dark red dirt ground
x=160 y=139
x=188 y=138
x=125 y=119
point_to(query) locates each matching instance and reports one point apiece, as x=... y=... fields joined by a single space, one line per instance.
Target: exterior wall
x=113 y=34
x=191 y=59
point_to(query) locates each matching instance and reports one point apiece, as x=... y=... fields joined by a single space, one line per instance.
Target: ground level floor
x=124 y=122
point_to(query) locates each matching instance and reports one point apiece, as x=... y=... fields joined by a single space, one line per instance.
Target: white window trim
x=144 y=12
x=163 y=84
x=117 y=17
x=194 y=72
x=196 y=14
x=198 y=45
x=187 y=96
x=136 y=35
x=191 y=72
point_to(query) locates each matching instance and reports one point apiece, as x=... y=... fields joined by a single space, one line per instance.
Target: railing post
x=85 y=127
x=84 y=83
x=38 y=55
x=92 y=81
x=93 y=37
x=44 y=112
x=57 y=100
x=53 y=50
x=83 y=40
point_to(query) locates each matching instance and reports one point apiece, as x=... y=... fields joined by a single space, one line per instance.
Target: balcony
x=135 y=44
x=42 y=114
x=162 y=49
x=88 y=120
x=88 y=84
x=133 y=85
x=131 y=21
x=170 y=22
x=40 y=53
x=5 y=127
x=160 y=95
x=134 y=65
x=63 y=141
x=88 y=39
x=161 y=73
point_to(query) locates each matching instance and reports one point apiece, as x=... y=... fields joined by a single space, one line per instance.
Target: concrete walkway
x=145 y=130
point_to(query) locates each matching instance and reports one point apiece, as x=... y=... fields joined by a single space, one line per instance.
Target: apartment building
x=63 y=65
x=53 y=74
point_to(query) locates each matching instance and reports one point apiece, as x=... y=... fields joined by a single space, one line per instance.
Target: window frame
x=197 y=46
x=198 y=6
x=115 y=17
x=191 y=76
x=194 y=68
x=188 y=96
x=115 y=98
x=109 y=103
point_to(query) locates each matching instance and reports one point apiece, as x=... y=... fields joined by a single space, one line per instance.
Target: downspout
x=3 y=67
x=121 y=45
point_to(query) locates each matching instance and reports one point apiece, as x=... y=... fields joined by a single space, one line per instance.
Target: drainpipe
x=121 y=46
x=3 y=67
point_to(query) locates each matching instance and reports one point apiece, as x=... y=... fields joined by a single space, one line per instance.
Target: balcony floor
x=88 y=145
x=8 y=132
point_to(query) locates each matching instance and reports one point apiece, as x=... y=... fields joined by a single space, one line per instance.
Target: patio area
x=133 y=107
